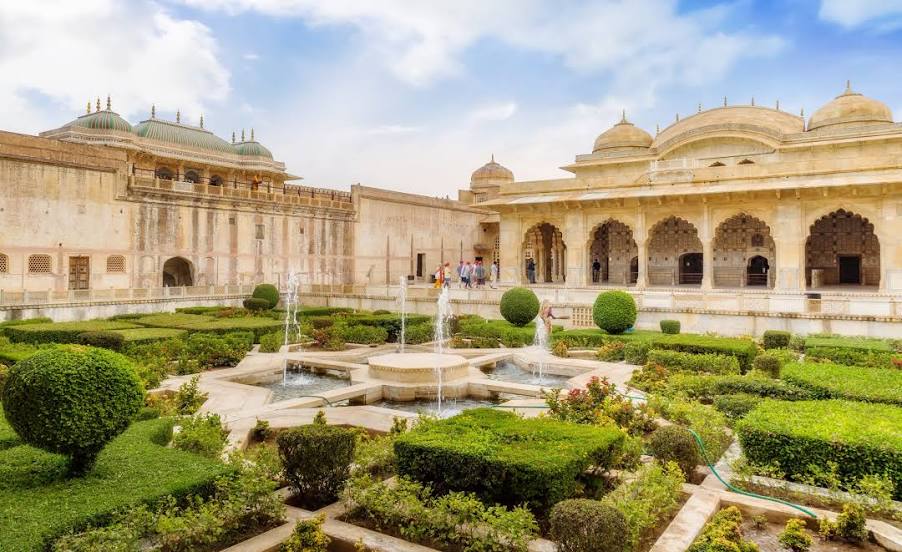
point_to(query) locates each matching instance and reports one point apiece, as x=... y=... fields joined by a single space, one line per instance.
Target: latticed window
x=38 y=264
x=115 y=263
x=4 y=263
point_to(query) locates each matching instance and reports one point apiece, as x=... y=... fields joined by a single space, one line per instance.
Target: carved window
x=39 y=264
x=115 y=263
x=215 y=180
x=192 y=176
x=260 y=231
x=4 y=263
x=717 y=164
x=757 y=240
x=746 y=162
x=163 y=173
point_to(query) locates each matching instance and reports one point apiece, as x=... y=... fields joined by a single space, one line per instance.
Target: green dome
x=252 y=148
x=102 y=120
x=183 y=135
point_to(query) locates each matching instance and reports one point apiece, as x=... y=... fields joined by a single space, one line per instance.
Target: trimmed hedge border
x=743 y=349
x=505 y=459
x=172 y=320
x=62 y=332
x=678 y=361
x=706 y=387
x=258 y=326
x=833 y=381
x=861 y=438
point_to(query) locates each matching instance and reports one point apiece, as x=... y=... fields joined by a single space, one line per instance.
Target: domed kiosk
x=624 y=136
x=850 y=109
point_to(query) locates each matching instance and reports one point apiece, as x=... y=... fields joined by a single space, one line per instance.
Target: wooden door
x=79 y=273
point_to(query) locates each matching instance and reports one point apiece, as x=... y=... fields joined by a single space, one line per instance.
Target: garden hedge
x=776 y=339
x=860 y=438
x=62 y=332
x=706 y=387
x=256 y=304
x=258 y=326
x=519 y=306
x=614 y=311
x=268 y=292
x=322 y=311
x=879 y=385
x=148 y=335
x=743 y=349
x=852 y=351
x=505 y=459
x=678 y=361
x=390 y=322
x=671 y=327
x=172 y=320
x=107 y=340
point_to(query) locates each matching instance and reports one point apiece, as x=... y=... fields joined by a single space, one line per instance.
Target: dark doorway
x=691 y=268
x=756 y=271
x=79 y=272
x=177 y=272
x=421 y=261
x=849 y=269
x=634 y=270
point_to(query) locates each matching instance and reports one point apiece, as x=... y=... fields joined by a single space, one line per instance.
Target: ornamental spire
x=725 y=101
x=233 y=136
x=493 y=158
x=802 y=113
x=778 y=104
x=252 y=135
x=89 y=107
x=848 y=87
x=153 y=111
x=242 y=135
x=201 y=120
x=178 y=116
x=623 y=116
x=699 y=107
x=108 y=104
x=753 y=100
x=98 y=104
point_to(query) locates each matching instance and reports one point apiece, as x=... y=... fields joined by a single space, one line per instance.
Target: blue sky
x=414 y=95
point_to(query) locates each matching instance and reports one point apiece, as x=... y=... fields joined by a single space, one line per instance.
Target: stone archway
x=737 y=241
x=177 y=272
x=544 y=249
x=611 y=243
x=842 y=249
x=670 y=241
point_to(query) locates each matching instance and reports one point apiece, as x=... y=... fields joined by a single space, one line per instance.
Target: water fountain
x=290 y=303
x=402 y=298
x=540 y=345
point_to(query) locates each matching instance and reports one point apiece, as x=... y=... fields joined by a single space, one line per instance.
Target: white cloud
x=251 y=56
x=67 y=52
x=495 y=112
x=886 y=14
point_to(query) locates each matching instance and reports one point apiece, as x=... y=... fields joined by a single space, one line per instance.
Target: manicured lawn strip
x=62 y=332
x=259 y=326
x=172 y=320
x=861 y=438
x=706 y=387
x=322 y=311
x=11 y=353
x=146 y=335
x=744 y=350
x=848 y=343
x=37 y=503
x=503 y=458
x=596 y=337
x=882 y=385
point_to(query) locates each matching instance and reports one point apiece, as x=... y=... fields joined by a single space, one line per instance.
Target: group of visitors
x=468 y=274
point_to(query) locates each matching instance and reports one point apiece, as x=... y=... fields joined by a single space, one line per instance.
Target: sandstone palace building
x=733 y=210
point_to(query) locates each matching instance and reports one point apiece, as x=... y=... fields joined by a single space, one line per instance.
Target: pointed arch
x=178 y=271
x=842 y=248
x=737 y=240
x=674 y=253
x=611 y=248
x=544 y=254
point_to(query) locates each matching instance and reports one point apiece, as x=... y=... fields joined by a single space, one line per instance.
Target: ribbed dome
x=491 y=174
x=102 y=120
x=252 y=148
x=623 y=135
x=850 y=108
x=183 y=135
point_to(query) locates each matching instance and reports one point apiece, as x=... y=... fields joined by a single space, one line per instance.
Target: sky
x=413 y=95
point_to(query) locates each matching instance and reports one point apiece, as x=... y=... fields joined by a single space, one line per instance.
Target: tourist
x=596 y=270
x=460 y=273
x=531 y=270
x=480 y=274
x=439 y=276
x=493 y=275
x=468 y=275
x=446 y=275
x=546 y=315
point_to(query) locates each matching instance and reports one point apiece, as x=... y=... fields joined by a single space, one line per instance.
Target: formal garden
x=141 y=432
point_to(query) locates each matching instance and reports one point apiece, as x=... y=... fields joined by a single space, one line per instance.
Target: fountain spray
x=402 y=298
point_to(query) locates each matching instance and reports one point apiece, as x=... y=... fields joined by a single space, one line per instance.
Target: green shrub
x=171 y=320
x=73 y=401
x=706 y=387
x=17 y=352
x=674 y=443
x=560 y=349
x=768 y=364
x=375 y=455
x=367 y=335
x=785 y=356
x=795 y=537
x=317 y=461
x=148 y=335
x=211 y=351
x=879 y=385
x=611 y=352
x=519 y=306
x=256 y=304
x=211 y=310
x=107 y=340
x=61 y=332
x=272 y=342
x=259 y=326
x=268 y=292
x=323 y=311
x=418 y=333
x=670 y=326
x=503 y=458
x=147 y=413
x=851 y=356
x=708 y=423
x=201 y=434
x=849 y=524
x=614 y=311
x=189 y=398
x=735 y=407
x=647 y=499
x=307 y=536
x=860 y=438
x=261 y=431
x=583 y=525
x=677 y=361
x=743 y=349
x=636 y=352
x=23 y=322
x=776 y=339
x=599 y=403
x=391 y=323
x=723 y=534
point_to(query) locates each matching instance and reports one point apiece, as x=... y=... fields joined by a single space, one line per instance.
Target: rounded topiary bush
x=256 y=304
x=317 y=460
x=72 y=400
x=519 y=306
x=675 y=443
x=769 y=364
x=614 y=311
x=670 y=326
x=268 y=292
x=583 y=525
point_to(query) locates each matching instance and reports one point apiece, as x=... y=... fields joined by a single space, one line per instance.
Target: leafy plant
x=599 y=403
x=768 y=364
x=261 y=431
x=678 y=361
x=614 y=311
x=317 y=460
x=307 y=536
x=674 y=443
x=652 y=495
x=201 y=434
x=670 y=326
x=795 y=537
x=268 y=292
x=189 y=398
x=561 y=349
x=610 y=352
x=776 y=339
x=849 y=524
x=519 y=306
x=723 y=533
x=583 y=525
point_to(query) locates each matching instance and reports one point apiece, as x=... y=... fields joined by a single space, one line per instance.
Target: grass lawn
x=143 y=335
x=883 y=385
x=61 y=332
x=848 y=343
x=37 y=502
x=172 y=320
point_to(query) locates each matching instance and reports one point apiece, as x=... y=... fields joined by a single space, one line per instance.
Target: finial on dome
x=178 y=116
x=493 y=158
x=153 y=111
x=233 y=136
x=678 y=117
x=108 y=104
x=725 y=101
x=802 y=112
x=89 y=107
x=778 y=104
x=848 y=86
x=753 y=100
x=98 y=104
x=242 y=135
x=699 y=107
x=252 y=135
x=657 y=129
x=623 y=116
x=201 y=120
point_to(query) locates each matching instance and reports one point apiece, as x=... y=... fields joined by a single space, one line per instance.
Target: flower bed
x=503 y=458
x=881 y=385
x=798 y=437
